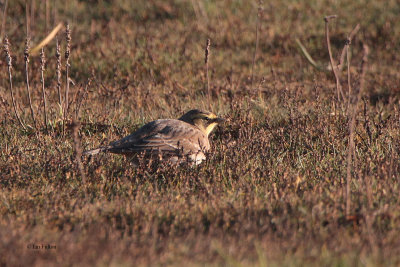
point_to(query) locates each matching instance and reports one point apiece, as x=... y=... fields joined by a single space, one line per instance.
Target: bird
x=173 y=140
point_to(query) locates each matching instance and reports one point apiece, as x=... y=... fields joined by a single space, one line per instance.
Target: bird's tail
x=95 y=151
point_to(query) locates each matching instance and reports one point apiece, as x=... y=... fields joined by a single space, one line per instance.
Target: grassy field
x=273 y=189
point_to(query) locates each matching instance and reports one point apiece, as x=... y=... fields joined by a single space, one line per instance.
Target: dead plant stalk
x=346 y=50
x=339 y=90
x=26 y=58
x=9 y=66
x=58 y=74
x=78 y=150
x=42 y=68
x=3 y=23
x=27 y=21
x=259 y=13
x=337 y=68
x=67 y=65
x=206 y=59
x=352 y=125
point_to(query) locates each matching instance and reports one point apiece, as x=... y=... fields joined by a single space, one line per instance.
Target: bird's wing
x=163 y=136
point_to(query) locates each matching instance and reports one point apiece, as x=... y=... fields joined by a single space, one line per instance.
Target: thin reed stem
x=82 y=98
x=3 y=23
x=26 y=58
x=32 y=18
x=206 y=59
x=345 y=50
x=27 y=22
x=47 y=21
x=67 y=65
x=42 y=68
x=78 y=149
x=9 y=66
x=55 y=17
x=348 y=75
x=58 y=74
x=352 y=125
x=259 y=13
x=339 y=90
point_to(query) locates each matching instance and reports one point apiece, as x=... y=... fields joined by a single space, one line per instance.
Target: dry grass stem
x=42 y=68
x=9 y=66
x=259 y=14
x=339 y=90
x=47 y=20
x=348 y=75
x=195 y=8
x=27 y=21
x=337 y=68
x=320 y=67
x=26 y=59
x=3 y=23
x=346 y=47
x=206 y=59
x=47 y=39
x=352 y=124
x=78 y=150
x=55 y=13
x=364 y=69
x=32 y=18
x=199 y=9
x=81 y=98
x=369 y=216
x=67 y=65
x=58 y=75
x=309 y=57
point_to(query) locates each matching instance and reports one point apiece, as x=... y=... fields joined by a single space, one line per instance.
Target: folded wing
x=168 y=137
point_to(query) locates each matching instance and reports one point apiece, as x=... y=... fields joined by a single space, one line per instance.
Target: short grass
x=272 y=191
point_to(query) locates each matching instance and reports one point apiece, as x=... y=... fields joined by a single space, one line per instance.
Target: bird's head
x=204 y=120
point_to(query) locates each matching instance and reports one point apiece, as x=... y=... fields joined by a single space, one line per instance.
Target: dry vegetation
x=272 y=191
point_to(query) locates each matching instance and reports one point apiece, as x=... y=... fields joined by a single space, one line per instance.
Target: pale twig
x=345 y=48
x=9 y=66
x=26 y=58
x=47 y=39
x=337 y=68
x=309 y=58
x=342 y=56
x=42 y=68
x=339 y=90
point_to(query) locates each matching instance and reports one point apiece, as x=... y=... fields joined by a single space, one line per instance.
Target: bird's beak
x=218 y=120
